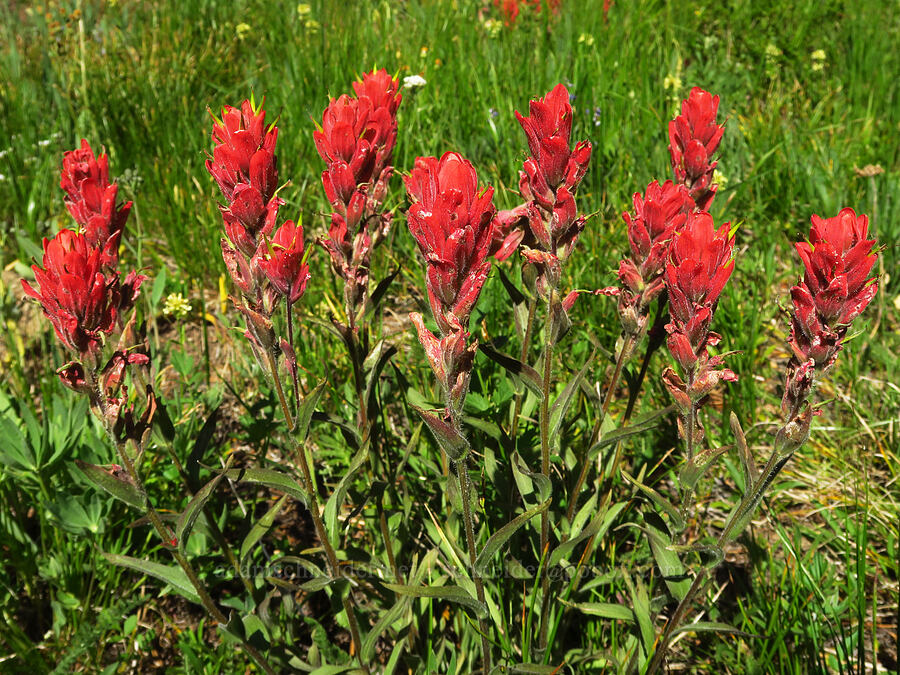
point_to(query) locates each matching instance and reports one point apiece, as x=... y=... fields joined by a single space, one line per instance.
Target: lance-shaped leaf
x=663 y=503
x=751 y=473
x=501 y=536
x=374 y=364
x=694 y=469
x=378 y=294
x=108 y=481
x=195 y=507
x=336 y=501
x=259 y=529
x=174 y=576
x=638 y=426
x=564 y=400
x=521 y=371
x=714 y=627
x=451 y=441
x=667 y=560
x=606 y=610
x=269 y=478
x=527 y=480
x=306 y=409
x=455 y=594
x=387 y=618
x=597 y=528
x=201 y=444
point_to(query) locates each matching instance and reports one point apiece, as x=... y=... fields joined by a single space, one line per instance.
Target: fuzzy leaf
x=659 y=500
x=667 y=559
x=174 y=576
x=451 y=441
x=501 y=536
x=596 y=528
x=270 y=478
x=192 y=511
x=305 y=411
x=693 y=470
x=564 y=400
x=336 y=500
x=119 y=488
x=259 y=529
x=606 y=610
x=521 y=371
x=376 y=296
x=527 y=480
x=455 y=594
x=751 y=473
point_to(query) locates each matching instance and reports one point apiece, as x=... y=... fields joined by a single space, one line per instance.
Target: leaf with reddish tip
x=109 y=482
x=451 y=440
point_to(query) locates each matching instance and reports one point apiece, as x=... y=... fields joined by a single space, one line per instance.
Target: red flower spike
x=452 y=224
x=244 y=166
x=836 y=286
x=694 y=137
x=79 y=298
x=281 y=260
x=92 y=200
x=700 y=264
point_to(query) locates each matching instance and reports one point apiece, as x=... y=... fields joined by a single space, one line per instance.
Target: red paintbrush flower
x=452 y=223
x=244 y=165
x=694 y=137
x=700 y=264
x=835 y=289
x=281 y=260
x=91 y=199
x=78 y=296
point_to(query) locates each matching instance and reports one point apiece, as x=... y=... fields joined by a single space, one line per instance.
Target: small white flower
x=413 y=82
x=2 y=177
x=44 y=143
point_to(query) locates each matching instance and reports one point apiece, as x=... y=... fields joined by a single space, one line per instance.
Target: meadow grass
x=139 y=79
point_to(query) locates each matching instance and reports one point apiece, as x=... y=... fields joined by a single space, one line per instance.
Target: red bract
x=452 y=223
x=382 y=91
x=836 y=286
x=79 y=298
x=281 y=260
x=91 y=199
x=699 y=266
x=345 y=143
x=243 y=164
x=694 y=137
x=553 y=163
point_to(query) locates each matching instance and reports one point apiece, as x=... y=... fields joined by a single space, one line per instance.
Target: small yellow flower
x=303 y=10
x=423 y=52
x=672 y=82
x=241 y=30
x=176 y=305
x=818 y=59
x=587 y=39
x=492 y=27
x=720 y=178
x=312 y=25
x=773 y=52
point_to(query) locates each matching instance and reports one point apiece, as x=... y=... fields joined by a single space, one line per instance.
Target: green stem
x=523 y=354
x=330 y=555
x=462 y=473
x=545 y=462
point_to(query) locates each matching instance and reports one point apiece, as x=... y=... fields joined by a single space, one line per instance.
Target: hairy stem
x=523 y=354
x=545 y=462
x=462 y=473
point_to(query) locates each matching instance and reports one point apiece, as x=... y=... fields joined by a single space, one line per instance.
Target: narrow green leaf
x=606 y=610
x=374 y=365
x=174 y=576
x=455 y=594
x=667 y=560
x=201 y=443
x=336 y=500
x=376 y=296
x=502 y=535
x=269 y=478
x=638 y=426
x=259 y=529
x=514 y=293
x=306 y=409
x=528 y=375
x=751 y=473
x=106 y=480
x=195 y=507
x=596 y=528
x=383 y=623
x=527 y=480
x=659 y=500
x=714 y=627
x=693 y=471
x=640 y=606
x=564 y=400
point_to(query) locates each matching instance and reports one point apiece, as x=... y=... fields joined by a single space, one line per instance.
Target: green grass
x=138 y=78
